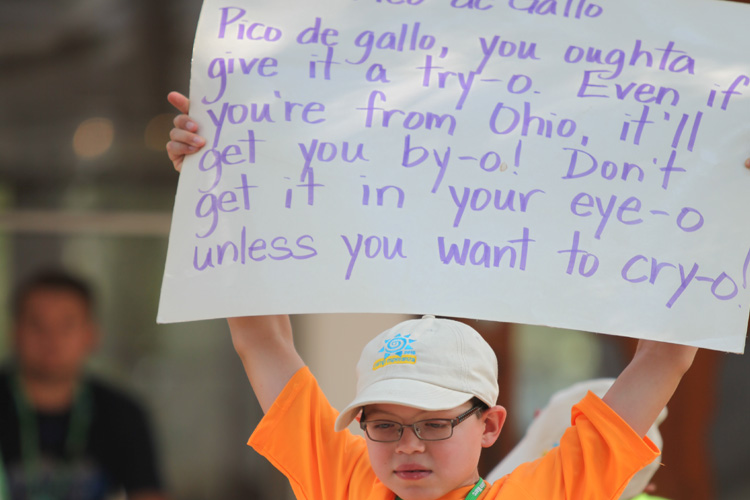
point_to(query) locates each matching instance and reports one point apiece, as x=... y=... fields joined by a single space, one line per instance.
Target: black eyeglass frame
x=453 y=422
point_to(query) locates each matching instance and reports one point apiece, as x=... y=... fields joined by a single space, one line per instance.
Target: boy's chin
x=419 y=490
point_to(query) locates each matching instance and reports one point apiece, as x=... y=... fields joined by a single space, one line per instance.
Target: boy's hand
x=184 y=137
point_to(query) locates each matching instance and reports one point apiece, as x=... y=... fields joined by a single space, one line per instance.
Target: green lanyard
x=473 y=494
x=75 y=439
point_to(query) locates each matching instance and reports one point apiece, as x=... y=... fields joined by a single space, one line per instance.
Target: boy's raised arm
x=266 y=348
x=264 y=343
x=646 y=385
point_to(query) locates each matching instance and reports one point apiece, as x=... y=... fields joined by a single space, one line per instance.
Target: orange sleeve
x=297 y=437
x=596 y=458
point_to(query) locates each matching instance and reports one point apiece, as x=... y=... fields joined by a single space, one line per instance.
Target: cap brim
x=406 y=392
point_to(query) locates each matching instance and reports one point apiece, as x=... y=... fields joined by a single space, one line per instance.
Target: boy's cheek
x=379 y=456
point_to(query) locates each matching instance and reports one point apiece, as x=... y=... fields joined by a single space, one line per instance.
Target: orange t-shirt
x=595 y=460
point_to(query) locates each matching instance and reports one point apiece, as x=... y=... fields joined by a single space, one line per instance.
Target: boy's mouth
x=412 y=472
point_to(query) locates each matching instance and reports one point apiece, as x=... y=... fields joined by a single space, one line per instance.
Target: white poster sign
x=573 y=163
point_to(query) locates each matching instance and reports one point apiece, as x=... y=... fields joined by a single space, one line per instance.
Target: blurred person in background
x=65 y=435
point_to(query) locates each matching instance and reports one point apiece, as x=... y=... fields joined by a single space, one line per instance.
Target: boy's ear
x=493 y=418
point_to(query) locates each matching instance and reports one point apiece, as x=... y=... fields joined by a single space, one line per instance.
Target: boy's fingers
x=181 y=148
x=177 y=148
x=185 y=122
x=179 y=101
x=177 y=151
x=747 y=163
x=187 y=138
x=176 y=160
x=184 y=140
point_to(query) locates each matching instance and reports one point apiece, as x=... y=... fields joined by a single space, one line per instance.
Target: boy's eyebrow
x=368 y=412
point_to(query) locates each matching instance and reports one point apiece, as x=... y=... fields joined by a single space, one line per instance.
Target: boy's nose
x=409 y=442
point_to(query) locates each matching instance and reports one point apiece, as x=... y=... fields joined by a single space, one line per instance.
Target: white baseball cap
x=428 y=363
x=548 y=426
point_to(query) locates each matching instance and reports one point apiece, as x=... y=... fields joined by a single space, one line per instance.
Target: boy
x=426 y=399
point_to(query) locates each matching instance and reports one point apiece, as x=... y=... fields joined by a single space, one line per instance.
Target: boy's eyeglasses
x=434 y=429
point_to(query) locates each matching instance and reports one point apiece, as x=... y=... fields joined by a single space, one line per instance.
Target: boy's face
x=426 y=470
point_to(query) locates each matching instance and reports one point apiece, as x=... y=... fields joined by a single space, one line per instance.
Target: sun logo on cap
x=397 y=345
x=396 y=351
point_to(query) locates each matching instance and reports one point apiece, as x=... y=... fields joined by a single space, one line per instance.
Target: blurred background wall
x=85 y=184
